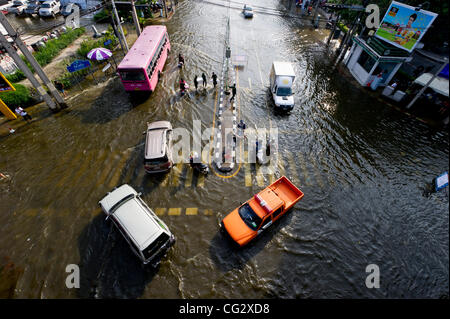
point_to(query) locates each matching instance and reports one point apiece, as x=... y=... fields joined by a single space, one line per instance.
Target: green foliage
x=90 y=44
x=16 y=76
x=46 y=54
x=19 y=97
x=102 y=15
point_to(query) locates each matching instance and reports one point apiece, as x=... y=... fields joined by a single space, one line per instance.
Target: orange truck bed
x=251 y=218
x=286 y=191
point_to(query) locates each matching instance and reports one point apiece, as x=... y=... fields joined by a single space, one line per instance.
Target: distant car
x=148 y=236
x=247 y=12
x=32 y=8
x=158 y=147
x=18 y=7
x=50 y=8
x=68 y=9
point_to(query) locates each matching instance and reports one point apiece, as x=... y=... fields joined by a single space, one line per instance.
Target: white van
x=148 y=236
x=282 y=78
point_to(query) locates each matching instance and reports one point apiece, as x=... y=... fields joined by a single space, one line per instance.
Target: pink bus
x=141 y=67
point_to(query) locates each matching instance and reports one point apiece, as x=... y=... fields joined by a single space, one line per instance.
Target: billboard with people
x=403 y=26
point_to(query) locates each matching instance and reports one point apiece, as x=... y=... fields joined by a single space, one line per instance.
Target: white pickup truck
x=282 y=78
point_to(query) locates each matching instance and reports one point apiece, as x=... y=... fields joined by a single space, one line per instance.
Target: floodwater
x=362 y=166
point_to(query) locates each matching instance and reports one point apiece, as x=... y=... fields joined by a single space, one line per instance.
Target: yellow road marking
x=281 y=165
x=84 y=166
x=189 y=175
x=201 y=180
x=107 y=170
x=248 y=175
x=177 y=172
x=208 y=212
x=259 y=177
x=191 y=211
x=295 y=176
x=304 y=169
x=317 y=172
x=160 y=211
x=68 y=173
x=118 y=170
x=174 y=211
x=166 y=179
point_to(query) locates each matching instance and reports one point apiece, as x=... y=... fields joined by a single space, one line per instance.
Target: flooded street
x=362 y=166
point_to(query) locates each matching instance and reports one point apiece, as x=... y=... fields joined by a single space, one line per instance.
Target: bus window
x=133 y=75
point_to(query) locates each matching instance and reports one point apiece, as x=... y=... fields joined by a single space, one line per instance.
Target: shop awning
x=439 y=84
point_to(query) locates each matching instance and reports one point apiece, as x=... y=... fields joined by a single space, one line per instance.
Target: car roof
x=156 y=139
x=137 y=222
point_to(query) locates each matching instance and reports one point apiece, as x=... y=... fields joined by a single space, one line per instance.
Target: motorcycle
x=199 y=167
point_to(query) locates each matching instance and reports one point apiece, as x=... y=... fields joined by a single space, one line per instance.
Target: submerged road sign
x=78 y=65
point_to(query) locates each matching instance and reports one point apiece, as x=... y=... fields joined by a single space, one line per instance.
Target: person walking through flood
x=180 y=60
x=233 y=91
x=20 y=111
x=214 y=78
x=60 y=87
x=195 y=83
x=182 y=85
x=204 y=79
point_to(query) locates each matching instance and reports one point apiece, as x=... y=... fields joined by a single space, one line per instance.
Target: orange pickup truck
x=258 y=213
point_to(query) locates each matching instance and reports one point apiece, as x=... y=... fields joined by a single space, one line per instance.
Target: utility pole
x=314 y=22
x=135 y=18
x=21 y=64
x=165 y=7
x=22 y=46
x=344 y=45
x=427 y=85
x=119 y=25
x=334 y=29
x=349 y=39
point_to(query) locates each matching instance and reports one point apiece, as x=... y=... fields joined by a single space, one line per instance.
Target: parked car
x=50 y=8
x=32 y=8
x=158 y=147
x=148 y=236
x=254 y=216
x=17 y=7
x=68 y=9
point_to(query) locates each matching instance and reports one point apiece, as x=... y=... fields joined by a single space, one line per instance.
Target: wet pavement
x=362 y=166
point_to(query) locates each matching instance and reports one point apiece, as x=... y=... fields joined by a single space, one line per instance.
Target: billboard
x=403 y=26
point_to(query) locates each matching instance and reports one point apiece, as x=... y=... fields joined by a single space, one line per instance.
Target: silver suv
x=148 y=236
x=158 y=147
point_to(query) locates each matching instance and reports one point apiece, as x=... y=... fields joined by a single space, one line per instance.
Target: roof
x=137 y=222
x=271 y=201
x=283 y=68
x=143 y=48
x=439 y=84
